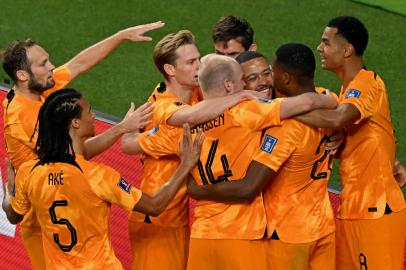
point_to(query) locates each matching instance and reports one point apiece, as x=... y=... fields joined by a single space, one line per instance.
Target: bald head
x=215 y=70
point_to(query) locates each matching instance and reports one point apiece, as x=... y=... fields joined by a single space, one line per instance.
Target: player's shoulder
x=92 y=168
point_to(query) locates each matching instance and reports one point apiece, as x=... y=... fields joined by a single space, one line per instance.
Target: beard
x=36 y=86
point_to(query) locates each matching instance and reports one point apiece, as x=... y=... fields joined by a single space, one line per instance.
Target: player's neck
x=349 y=70
x=78 y=143
x=23 y=90
x=183 y=92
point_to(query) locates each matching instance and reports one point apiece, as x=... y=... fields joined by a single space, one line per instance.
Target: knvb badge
x=124 y=185
x=269 y=144
x=353 y=93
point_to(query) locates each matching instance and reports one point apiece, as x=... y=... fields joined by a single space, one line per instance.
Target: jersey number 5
x=63 y=221
x=209 y=163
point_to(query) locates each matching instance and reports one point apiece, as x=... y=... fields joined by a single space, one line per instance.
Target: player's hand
x=329 y=100
x=189 y=149
x=335 y=141
x=400 y=173
x=9 y=185
x=136 y=33
x=136 y=119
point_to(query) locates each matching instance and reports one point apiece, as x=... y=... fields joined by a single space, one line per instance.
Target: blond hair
x=164 y=51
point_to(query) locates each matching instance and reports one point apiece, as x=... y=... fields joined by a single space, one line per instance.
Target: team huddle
x=251 y=141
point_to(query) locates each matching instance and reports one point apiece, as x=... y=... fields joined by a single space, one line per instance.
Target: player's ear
x=286 y=78
x=228 y=85
x=75 y=123
x=253 y=47
x=169 y=69
x=22 y=75
x=349 y=50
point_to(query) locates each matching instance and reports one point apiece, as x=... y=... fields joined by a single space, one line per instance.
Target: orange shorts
x=316 y=255
x=156 y=247
x=225 y=254
x=371 y=244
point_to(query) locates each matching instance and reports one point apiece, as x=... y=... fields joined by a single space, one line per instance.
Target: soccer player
x=257 y=72
x=223 y=231
x=294 y=165
x=72 y=196
x=232 y=36
x=372 y=217
x=167 y=236
x=35 y=77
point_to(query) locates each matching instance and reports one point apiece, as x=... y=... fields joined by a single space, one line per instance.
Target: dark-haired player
x=372 y=217
x=71 y=196
x=233 y=35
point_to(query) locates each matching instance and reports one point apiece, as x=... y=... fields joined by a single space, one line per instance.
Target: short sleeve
x=363 y=94
x=165 y=108
x=160 y=141
x=110 y=186
x=20 y=202
x=258 y=114
x=62 y=77
x=277 y=145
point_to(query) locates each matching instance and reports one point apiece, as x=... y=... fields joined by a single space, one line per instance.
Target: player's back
x=73 y=217
x=230 y=142
x=297 y=202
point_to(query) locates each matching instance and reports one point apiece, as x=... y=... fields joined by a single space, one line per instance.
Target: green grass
x=128 y=74
x=396 y=6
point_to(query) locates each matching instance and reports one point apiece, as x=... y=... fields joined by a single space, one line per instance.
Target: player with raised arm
x=35 y=77
x=72 y=196
x=223 y=229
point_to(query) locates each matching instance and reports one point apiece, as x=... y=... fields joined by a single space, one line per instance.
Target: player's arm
x=306 y=102
x=189 y=155
x=132 y=122
x=209 y=109
x=8 y=191
x=94 y=54
x=245 y=189
x=130 y=144
x=338 y=118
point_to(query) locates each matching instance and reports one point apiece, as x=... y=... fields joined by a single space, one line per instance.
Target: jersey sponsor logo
x=269 y=144
x=124 y=185
x=152 y=131
x=353 y=93
x=264 y=100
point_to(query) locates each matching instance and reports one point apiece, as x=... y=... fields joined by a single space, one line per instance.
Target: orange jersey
x=297 y=202
x=72 y=202
x=20 y=118
x=157 y=171
x=230 y=142
x=369 y=154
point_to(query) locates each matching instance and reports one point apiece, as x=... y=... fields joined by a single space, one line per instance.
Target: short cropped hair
x=214 y=69
x=353 y=30
x=232 y=27
x=15 y=58
x=297 y=59
x=164 y=51
x=249 y=55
